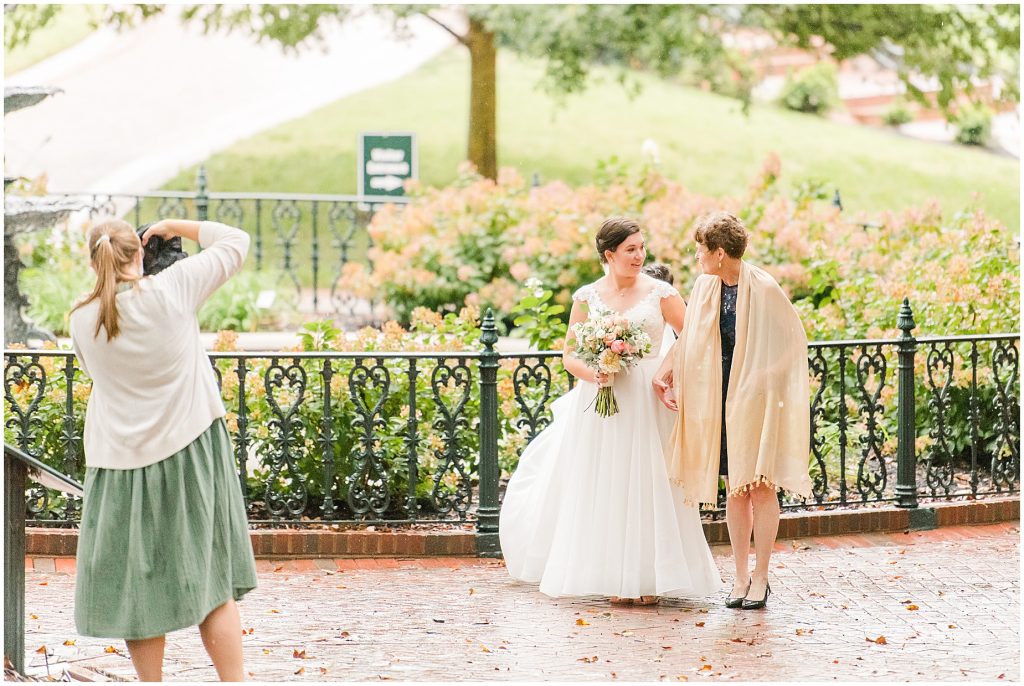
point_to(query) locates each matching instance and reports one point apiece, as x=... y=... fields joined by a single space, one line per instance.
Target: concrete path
x=940 y=605
x=140 y=106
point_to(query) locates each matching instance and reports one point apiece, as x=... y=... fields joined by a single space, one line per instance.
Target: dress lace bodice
x=646 y=312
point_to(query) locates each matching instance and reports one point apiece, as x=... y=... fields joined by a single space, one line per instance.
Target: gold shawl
x=767 y=408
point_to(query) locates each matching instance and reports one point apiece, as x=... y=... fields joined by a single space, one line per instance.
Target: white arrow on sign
x=400 y=168
x=385 y=183
x=387 y=154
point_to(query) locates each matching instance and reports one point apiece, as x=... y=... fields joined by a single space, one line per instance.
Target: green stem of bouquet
x=606 y=404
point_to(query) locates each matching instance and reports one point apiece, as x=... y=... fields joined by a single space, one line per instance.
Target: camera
x=159 y=253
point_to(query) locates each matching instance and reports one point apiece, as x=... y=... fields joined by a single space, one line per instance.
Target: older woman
x=738 y=377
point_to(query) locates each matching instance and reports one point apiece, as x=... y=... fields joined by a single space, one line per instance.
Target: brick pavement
x=946 y=602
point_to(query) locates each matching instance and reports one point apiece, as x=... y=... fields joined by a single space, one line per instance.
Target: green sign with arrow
x=386 y=160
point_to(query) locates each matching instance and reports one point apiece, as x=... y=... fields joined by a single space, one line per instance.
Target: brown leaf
x=582 y=622
x=705 y=668
x=472 y=591
x=42 y=649
x=110 y=649
x=341 y=586
x=300 y=670
x=587 y=659
x=682 y=677
x=300 y=654
x=666 y=647
x=33 y=616
x=953 y=626
x=344 y=634
x=266 y=651
x=700 y=624
x=880 y=640
x=44 y=583
x=278 y=568
x=804 y=632
x=485 y=649
x=275 y=612
x=69 y=642
x=323 y=670
x=913 y=607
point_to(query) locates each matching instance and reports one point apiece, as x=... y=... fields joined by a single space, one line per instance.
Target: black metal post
x=487 y=544
x=202 y=199
x=327 y=430
x=906 y=436
x=14 y=562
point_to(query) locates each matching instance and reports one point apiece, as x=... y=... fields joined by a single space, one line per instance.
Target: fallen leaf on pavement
x=880 y=640
x=69 y=642
x=705 y=668
x=42 y=649
x=913 y=607
x=44 y=583
x=266 y=651
x=587 y=659
x=34 y=616
x=804 y=632
x=626 y=633
x=699 y=623
x=275 y=612
x=300 y=670
x=952 y=626
x=682 y=677
x=582 y=622
x=345 y=634
x=323 y=670
x=110 y=649
x=472 y=591
x=301 y=654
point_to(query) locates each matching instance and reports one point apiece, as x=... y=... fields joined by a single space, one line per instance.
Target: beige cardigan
x=767 y=410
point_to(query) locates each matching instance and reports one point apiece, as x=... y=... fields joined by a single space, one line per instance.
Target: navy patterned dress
x=727 y=328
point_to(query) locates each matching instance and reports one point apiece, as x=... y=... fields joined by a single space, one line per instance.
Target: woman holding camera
x=164 y=540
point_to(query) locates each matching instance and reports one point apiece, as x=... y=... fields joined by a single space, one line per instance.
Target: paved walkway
x=924 y=606
x=180 y=95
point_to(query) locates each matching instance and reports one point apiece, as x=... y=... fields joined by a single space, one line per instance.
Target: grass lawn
x=705 y=141
x=68 y=27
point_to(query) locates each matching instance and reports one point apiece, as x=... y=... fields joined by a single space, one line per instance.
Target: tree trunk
x=482 y=99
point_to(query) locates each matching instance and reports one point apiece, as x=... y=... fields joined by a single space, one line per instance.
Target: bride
x=590 y=509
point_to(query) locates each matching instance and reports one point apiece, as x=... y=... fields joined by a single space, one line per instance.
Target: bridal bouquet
x=609 y=343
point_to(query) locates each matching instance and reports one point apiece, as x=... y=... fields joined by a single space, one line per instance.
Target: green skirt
x=160 y=547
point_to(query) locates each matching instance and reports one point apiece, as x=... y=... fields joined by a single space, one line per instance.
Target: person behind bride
x=590 y=509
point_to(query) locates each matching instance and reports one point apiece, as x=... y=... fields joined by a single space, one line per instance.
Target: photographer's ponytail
x=113 y=250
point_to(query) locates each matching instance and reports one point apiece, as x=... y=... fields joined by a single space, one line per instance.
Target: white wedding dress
x=590 y=509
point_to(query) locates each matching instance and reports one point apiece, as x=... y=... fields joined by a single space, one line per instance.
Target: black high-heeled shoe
x=757 y=604
x=734 y=602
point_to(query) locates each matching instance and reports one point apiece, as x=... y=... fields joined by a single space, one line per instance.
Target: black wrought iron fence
x=427 y=437
x=307 y=239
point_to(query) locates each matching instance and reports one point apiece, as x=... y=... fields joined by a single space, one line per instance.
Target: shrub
x=813 y=90
x=974 y=124
x=898 y=114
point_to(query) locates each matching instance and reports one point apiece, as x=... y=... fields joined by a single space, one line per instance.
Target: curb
x=274 y=544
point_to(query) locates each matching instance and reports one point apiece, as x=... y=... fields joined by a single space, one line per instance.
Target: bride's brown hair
x=613 y=231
